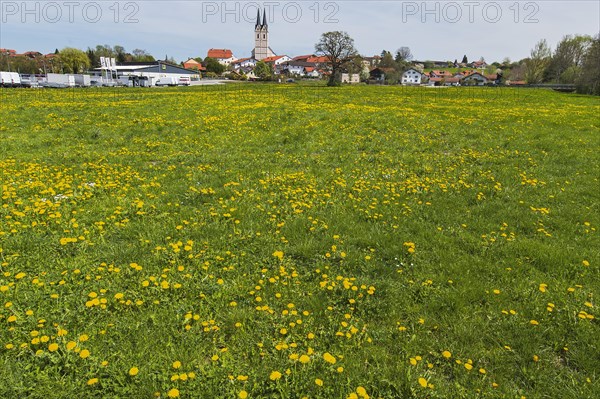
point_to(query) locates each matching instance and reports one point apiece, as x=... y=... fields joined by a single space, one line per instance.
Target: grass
x=299 y=241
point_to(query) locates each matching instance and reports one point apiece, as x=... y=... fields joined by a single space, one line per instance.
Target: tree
x=139 y=55
x=74 y=60
x=403 y=55
x=567 y=59
x=120 y=52
x=263 y=70
x=213 y=66
x=93 y=57
x=338 y=47
x=588 y=81
x=387 y=61
x=537 y=62
x=465 y=60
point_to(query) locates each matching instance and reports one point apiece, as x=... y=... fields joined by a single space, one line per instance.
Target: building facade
x=261 y=38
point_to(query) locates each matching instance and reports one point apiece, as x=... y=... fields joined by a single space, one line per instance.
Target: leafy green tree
x=74 y=60
x=338 y=47
x=588 y=81
x=387 y=60
x=537 y=62
x=213 y=66
x=263 y=70
x=465 y=60
x=567 y=59
x=139 y=55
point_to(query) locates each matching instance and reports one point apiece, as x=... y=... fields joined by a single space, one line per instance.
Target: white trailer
x=10 y=79
x=83 y=80
x=60 y=80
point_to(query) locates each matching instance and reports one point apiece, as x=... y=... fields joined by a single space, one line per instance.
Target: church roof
x=264 y=21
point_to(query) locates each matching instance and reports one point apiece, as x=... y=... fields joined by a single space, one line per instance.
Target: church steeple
x=261 y=37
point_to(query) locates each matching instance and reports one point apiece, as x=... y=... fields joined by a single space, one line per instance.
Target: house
x=32 y=54
x=244 y=63
x=193 y=64
x=440 y=74
x=351 y=78
x=478 y=64
x=298 y=68
x=436 y=81
x=371 y=62
x=474 y=79
x=276 y=59
x=7 y=51
x=224 y=56
x=320 y=60
x=377 y=75
x=411 y=77
x=302 y=57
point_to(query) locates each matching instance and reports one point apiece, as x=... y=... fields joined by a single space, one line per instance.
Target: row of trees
x=576 y=60
x=71 y=60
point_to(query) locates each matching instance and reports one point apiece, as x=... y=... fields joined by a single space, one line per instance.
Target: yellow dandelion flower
x=53 y=347
x=243 y=395
x=319 y=382
x=134 y=371
x=329 y=358
x=304 y=359
x=92 y=381
x=176 y=364
x=173 y=393
x=447 y=354
x=275 y=375
x=423 y=382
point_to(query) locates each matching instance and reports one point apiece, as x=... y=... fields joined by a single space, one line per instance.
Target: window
x=258 y=36
x=264 y=36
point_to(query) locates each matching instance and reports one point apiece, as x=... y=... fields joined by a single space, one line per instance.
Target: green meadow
x=289 y=241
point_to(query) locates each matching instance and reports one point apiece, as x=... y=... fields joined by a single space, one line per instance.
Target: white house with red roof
x=223 y=55
x=412 y=76
x=276 y=59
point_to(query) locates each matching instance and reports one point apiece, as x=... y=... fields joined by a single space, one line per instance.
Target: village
x=263 y=64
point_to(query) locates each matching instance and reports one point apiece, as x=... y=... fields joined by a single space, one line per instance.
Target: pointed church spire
x=264 y=24
x=257 y=18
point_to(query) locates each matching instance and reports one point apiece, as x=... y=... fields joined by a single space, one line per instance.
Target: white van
x=10 y=79
x=167 y=82
x=184 y=80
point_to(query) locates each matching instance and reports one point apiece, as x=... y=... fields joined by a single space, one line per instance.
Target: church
x=261 y=38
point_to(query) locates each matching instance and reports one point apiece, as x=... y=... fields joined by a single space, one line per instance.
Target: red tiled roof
x=219 y=53
x=318 y=59
x=272 y=59
x=302 y=57
x=193 y=64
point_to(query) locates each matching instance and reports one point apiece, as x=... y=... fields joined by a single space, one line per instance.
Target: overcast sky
x=443 y=30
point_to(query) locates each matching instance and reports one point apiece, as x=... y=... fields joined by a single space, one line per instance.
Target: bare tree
x=339 y=48
x=403 y=54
